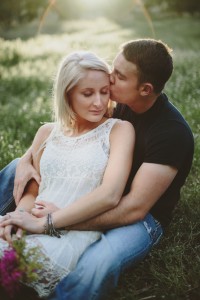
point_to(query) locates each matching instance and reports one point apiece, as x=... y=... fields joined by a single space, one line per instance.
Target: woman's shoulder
x=122 y=135
x=43 y=133
x=46 y=128
x=122 y=125
x=122 y=131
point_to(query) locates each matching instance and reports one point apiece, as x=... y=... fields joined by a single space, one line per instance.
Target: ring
x=21 y=210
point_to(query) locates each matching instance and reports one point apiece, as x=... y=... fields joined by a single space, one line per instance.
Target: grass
x=27 y=66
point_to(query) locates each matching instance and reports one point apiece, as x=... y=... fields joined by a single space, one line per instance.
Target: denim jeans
x=7 y=176
x=100 y=266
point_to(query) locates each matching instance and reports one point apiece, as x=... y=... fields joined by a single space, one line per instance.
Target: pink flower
x=18 y=263
x=9 y=272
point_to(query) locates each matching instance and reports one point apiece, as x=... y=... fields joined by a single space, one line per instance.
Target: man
x=162 y=160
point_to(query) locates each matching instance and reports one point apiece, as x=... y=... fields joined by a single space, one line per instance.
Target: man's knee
x=98 y=258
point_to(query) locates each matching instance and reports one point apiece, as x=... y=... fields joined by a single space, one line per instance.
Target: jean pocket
x=154 y=230
x=158 y=233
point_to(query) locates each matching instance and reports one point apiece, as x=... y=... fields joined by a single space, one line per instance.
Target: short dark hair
x=153 y=61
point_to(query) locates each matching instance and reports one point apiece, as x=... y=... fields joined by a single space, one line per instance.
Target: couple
x=90 y=190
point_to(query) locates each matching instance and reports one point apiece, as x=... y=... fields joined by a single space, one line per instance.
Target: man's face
x=124 y=81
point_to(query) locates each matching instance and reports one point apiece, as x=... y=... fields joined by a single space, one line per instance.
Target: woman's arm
x=28 y=198
x=149 y=183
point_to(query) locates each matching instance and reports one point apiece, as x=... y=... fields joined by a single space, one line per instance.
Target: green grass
x=27 y=67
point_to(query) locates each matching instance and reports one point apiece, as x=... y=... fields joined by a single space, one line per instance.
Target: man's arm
x=24 y=172
x=150 y=182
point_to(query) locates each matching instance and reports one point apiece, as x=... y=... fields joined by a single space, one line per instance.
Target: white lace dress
x=70 y=168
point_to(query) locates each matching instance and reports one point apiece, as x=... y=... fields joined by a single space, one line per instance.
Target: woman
x=84 y=159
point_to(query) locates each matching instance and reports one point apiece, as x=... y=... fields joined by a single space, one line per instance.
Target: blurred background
x=26 y=18
x=47 y=16
x=35 y=34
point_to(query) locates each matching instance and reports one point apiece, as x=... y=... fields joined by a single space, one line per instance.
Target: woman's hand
x=23 y=220
x=42 y=208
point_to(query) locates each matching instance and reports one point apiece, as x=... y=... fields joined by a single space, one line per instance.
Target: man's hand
x=43 y=208
x=24 y=172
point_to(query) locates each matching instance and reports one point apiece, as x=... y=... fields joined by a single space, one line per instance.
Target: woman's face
x=89 y=98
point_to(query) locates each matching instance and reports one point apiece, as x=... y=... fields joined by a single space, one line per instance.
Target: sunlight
x=93 y=9
x=93 y=3
x=146 y=15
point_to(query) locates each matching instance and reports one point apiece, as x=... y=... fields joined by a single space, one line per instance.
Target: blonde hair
x=72 y=68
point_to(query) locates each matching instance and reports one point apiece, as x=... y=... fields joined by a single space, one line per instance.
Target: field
x=27 y=67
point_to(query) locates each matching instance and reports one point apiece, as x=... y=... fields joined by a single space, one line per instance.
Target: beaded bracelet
x=49 y=228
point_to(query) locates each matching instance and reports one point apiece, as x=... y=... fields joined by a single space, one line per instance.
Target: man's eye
x=120 y=76
x=105 y=92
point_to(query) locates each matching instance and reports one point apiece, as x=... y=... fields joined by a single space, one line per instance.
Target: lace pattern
x=49 y=276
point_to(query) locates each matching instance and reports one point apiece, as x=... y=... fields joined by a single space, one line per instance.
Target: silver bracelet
x=49 y=228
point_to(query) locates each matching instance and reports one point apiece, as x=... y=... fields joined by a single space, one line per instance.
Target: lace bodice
x=73 y=166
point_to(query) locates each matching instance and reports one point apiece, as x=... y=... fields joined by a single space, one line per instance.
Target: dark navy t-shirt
x=162 y=137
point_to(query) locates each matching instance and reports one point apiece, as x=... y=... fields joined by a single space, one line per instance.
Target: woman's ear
x=146 y=89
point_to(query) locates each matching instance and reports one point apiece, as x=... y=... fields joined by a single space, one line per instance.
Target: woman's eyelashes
x=87 y=94
x=102 y=92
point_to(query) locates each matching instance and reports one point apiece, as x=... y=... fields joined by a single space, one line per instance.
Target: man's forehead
x=118 y=58
x=124 y=65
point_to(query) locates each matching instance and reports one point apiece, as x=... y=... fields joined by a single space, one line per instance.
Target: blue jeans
x=99 y=268
x=7 y=176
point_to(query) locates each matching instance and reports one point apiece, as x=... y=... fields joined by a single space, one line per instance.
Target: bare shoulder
x=122 y=135
x=123 y=127
x=46 y=128
x=42 y=134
